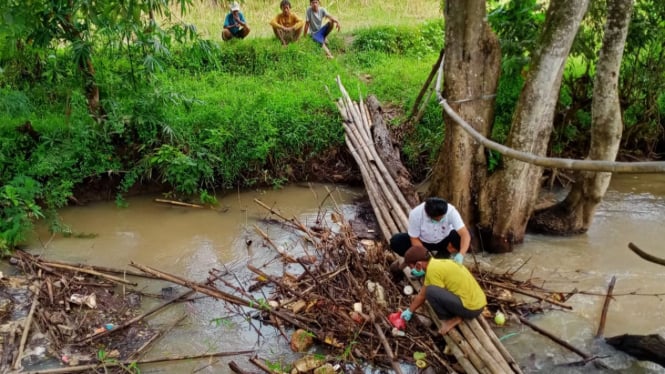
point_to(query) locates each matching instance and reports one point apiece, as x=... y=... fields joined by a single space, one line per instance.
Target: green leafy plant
x=18 y=211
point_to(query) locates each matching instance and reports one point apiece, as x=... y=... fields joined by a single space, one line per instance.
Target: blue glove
x=459 y=258
x=407 y=314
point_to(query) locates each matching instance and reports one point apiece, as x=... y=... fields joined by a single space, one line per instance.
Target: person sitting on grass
x=449 y=287
x=287 y=25
x=235 y=25
x=314 y=23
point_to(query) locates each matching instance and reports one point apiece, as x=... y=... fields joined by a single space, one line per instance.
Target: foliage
x=517 y=25
x=18 y=211
x=641 y=80
x=426 y=40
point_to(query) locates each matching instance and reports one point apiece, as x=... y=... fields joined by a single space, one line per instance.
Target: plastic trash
x=396 y=320
x=499 y=318
x=89 y=300
x=378 y=291
x=397 y=332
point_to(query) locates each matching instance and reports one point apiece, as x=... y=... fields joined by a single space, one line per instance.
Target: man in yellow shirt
x=449 y=287
x=287 y=25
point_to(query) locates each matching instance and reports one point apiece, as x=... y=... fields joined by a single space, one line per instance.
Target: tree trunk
x=507 y=202
x=575 y=213
x=471 y=75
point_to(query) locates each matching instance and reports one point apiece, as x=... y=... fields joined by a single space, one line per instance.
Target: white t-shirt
x=428 y=231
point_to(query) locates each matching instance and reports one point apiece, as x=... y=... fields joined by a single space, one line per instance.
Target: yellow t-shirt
x=287 y=21
x=457 y=279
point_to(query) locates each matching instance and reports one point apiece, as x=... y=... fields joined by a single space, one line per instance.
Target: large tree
x=508 y=200
x=575 y=213
x=471 y=74
x=505 y=200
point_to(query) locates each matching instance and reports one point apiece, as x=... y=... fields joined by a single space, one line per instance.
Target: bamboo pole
x=91 y=272
x=379 y=163
x=178 y=203
x=391 y=210
x=104 y=269
x=373 y=163
x=428 y=82
x=47 y=265
x=385 y=223
x=469 y=353
x=489 y=359
x=498 y=345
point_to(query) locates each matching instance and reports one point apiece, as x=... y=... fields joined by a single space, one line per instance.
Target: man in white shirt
x=432 y=225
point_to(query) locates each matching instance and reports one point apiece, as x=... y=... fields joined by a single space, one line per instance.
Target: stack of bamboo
x=474 y=344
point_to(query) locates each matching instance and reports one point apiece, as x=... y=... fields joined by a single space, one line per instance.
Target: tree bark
x=575 y=213
x=471 y=74
x=507 y=203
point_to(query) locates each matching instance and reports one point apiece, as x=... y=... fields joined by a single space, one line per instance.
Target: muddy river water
x=189 y=242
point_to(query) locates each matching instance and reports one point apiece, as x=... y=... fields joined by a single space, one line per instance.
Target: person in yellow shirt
x=287 y=25
x=449 y=287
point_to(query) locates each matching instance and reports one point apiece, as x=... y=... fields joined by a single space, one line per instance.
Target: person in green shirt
x=449 y=287
x=287 y=25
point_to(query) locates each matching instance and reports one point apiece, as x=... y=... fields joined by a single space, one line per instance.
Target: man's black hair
x=436 y=207
x=284 y=2
x=455 y=239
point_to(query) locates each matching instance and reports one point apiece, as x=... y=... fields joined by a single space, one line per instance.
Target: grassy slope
x=208 y=15
x=224 y=118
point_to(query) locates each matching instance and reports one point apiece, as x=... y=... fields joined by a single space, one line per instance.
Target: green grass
x=214 y=115
x=208 y=15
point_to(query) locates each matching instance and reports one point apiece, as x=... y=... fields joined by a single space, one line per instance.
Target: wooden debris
x=178 y=203
x=606 y=304
x=392 y=209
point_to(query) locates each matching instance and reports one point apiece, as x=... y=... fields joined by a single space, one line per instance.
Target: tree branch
x=550 y=162
x=646 y=256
